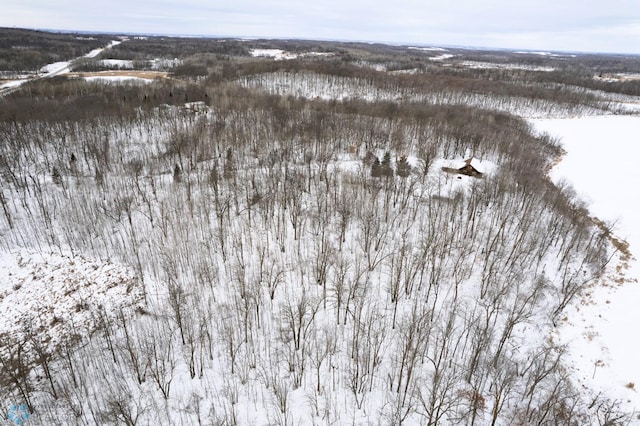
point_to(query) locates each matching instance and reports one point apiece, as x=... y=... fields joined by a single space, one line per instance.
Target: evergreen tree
x=403 y=168
x=55 y=176
x=177 y=174
x=229 y=164
x=376 y=168
x=387 y=170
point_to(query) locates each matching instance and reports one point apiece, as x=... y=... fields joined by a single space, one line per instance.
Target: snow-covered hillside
x=318 y=86
x=299 y=242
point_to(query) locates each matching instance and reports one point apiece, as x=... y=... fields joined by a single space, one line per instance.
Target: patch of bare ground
x=121 y=73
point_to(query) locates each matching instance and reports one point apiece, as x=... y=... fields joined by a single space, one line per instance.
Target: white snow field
x=601 y=330
x=117 y=63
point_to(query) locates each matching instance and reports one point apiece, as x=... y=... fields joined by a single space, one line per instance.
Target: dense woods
x=296 y=254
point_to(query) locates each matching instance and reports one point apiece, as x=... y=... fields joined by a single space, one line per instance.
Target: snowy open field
x=601 y=164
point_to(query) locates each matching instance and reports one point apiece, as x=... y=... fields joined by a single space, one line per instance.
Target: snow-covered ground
x=96 y=52
x=165 y=63
x=56 y=68
x=57 y=295
x=271 y=53
x=510 y=66
x=601 y=164
x=11 y=83
x=442 y=57
x=597 y=330
x=115 y=79
x=118 y=63
x=615 y=77
x=279 y=54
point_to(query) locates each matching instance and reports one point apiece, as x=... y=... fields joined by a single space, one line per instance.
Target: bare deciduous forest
x=286 y=245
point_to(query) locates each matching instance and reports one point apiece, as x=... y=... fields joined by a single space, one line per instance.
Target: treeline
x=72 y=100
x=151 y=47
x=93 y=65
x=567 y=71
x=60 y=99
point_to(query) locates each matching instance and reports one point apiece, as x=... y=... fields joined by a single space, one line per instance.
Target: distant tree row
x=28 y=50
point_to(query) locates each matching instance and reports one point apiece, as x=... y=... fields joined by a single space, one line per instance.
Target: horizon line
x=281 y=38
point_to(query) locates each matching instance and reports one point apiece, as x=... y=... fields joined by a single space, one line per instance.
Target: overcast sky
x=565 y=25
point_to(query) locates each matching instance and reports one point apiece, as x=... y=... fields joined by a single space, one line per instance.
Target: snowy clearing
x=56 y=68
x=163 y=63
x=120 y=76
x=613 y=78
x=11 y=83
x=119 y=63
x=118 y=79
x=279 y=54
x=442 y=57
x=490 y=65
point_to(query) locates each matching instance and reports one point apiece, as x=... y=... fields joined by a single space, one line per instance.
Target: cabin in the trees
x=468 y=169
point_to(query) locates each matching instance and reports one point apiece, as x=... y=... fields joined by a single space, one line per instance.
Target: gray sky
x=566 y=25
